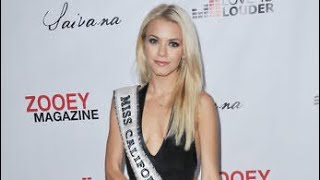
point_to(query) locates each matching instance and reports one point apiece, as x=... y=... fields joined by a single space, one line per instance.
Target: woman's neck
x=159 y=86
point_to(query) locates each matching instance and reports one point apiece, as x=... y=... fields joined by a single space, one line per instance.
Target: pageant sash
x=127 y=108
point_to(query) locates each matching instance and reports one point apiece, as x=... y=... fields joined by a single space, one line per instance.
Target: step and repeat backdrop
x=61 y=60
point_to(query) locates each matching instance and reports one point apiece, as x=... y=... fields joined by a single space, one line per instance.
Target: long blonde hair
x=189 y=82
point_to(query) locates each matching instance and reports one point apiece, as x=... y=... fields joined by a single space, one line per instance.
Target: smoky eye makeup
x=174 y=44
x=152 y=40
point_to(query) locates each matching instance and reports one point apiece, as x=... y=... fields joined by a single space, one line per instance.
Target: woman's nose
x=162 y=50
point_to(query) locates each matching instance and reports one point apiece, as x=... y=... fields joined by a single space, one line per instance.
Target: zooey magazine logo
x=231 y=8
x=246 y=175
x=60 y=107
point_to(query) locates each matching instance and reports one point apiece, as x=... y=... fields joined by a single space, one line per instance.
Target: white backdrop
x=261 y=62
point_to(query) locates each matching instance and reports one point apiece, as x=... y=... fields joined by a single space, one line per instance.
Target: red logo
x=58 y=102
x=246 y=175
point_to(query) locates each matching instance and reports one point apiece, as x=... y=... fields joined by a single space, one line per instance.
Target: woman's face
x=163 y=47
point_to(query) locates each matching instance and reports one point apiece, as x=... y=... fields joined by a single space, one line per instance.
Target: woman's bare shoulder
x=207 y=108
x=206 y=99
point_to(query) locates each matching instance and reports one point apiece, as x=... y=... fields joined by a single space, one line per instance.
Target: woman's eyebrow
x=172 y=39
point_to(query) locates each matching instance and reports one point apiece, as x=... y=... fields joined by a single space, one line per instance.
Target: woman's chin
x=163 y=74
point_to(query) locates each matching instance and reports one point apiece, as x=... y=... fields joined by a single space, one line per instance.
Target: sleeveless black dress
x=171 y=162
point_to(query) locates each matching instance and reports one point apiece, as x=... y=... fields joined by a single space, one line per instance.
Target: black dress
x=171 y=162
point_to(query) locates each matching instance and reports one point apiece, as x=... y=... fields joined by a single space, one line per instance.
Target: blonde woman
x=166 y=126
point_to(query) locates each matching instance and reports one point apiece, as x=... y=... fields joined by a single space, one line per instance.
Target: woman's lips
x=161 y=63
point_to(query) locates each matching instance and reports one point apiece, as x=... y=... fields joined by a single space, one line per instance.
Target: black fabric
x=171 y=162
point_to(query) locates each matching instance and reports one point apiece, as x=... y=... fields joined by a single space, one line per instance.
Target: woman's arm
x=208 y=132
x=114 y=150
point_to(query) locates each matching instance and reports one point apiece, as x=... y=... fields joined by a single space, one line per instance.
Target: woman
x=168 y=123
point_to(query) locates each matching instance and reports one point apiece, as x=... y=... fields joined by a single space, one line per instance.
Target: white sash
x=127 y=108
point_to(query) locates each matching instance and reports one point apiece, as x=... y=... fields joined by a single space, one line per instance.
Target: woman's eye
x=174 y=44
x=153 y=41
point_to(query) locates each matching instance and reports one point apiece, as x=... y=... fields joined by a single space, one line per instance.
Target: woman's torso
x=171 y=162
